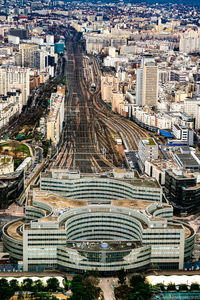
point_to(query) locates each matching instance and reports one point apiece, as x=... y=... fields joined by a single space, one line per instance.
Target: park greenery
x=85 y=287
x=36 y=288
x=136 y=289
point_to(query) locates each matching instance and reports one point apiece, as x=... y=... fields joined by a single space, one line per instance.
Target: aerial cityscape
x=99 y=150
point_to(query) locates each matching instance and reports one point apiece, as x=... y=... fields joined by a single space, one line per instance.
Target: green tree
x=14 y=285
x=27 y=285
x=171 y=287
x=194 y=286
x=4 y=282
x=20 y=295
x=38 y=286
x=5 y=289
x=136 y=279
x=121 y=276
x=53 y=284
x=141 y=290
x=183 y=287
x=77 y=288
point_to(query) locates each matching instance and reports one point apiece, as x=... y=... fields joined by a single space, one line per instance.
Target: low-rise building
x=182 y=190
x=147 y=149
x=6 y=164
x=183 y=133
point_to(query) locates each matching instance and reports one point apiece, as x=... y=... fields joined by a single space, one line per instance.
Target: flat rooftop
x=148 y=141
x=136 y=181
x=187 y=160
x=133 y=204
x=57 y=202
x=13 y=230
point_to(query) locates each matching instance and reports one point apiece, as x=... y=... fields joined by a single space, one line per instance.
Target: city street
x=106 y=284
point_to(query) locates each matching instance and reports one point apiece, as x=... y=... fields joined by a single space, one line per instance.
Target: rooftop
x=187 y=160
x=103 y=246
x=148 y=141
x=133 y=204
x=58 y=202
x=136 y=181
x=13 y=230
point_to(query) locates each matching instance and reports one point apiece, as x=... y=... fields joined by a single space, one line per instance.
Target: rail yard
x=87 y=141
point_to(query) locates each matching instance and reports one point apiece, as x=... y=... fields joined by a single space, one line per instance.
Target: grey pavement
x=106 y=284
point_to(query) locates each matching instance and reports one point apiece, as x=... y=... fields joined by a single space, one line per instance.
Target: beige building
x=108 y=84
x=118 y=102
x=27 y=54
x=15 y=78
x=6 y=164
x=191 y=107
x=147 y=83
x=10 y=106
x=56 y=117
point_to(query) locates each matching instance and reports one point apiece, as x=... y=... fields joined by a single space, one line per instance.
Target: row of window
x=161 y=233
x=97 y=184
x=161 y=238
x=108 y=227
x=122 y=264
x=106 y=192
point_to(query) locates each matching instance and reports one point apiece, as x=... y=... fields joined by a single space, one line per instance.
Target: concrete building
x=118 y=102
x=27 y=54
x=191 y=107
x=50 y=39
x=96 y=42
x=123 y=185
x=147 y=83
x=55 y=118
x=109 y=84
x=147 y=149
x=13 y=39
x=15 y=78
x=189 y=42
x=183 y=133
x=41 y=60
x=10 y=106
x=74 y=236
x=6 y=164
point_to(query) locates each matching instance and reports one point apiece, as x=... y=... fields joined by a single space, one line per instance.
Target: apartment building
x=6 y=164
x=147 y=83
x=191 y=107
x=118 y=102
x=56 y=117
x=15 y=78
x=26 y=52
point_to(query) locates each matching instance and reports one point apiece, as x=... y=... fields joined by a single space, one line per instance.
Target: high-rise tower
x=147 y=83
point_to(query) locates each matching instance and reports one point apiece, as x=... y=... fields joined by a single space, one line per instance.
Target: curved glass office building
x=76 y=235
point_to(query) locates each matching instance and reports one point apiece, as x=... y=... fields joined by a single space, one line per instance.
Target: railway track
x=78 y=145
x=89 y=123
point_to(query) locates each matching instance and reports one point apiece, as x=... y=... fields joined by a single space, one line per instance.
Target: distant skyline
x=186 y=2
